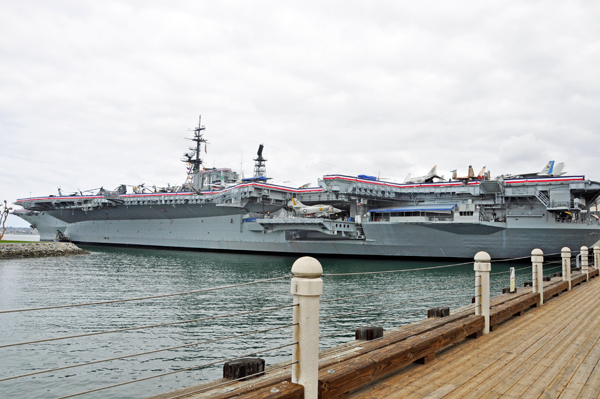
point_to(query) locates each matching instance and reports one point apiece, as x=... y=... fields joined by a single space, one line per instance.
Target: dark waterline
x=116 y=273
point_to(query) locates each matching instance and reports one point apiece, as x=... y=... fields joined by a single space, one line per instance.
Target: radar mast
x=260 y=169
x=193 y=157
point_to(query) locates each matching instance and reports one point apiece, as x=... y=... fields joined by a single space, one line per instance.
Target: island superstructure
x=216 y=210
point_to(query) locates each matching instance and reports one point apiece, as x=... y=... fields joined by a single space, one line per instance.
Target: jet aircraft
x=312 y=210
x=551 y=169
x=428 y=178
x=470 y=176
x=483 y=175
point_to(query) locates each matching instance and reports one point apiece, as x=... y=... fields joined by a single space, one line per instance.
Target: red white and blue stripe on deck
x=550 y=179
x=183 y=194
x=319 y=189
x=400 y=185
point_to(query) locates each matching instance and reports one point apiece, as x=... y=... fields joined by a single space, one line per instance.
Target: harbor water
x=110 y=273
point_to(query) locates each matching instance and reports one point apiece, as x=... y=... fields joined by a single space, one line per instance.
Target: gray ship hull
x=435 y=240
x=47 y=225
x=455 y=241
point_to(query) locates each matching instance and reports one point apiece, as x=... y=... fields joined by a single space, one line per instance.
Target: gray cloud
x=101 y=93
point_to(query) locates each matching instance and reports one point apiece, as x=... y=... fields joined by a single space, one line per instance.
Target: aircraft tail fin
x=547 y=170
x=481 y=174
x=295 y=203
x=471 y=171
x=558 y=169
x=407 y=178
x=454 y=174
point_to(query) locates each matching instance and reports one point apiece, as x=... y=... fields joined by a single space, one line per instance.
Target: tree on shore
x=3 y=216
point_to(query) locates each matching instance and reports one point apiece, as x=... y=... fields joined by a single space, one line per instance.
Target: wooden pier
x=532 y=351
x=550 y=352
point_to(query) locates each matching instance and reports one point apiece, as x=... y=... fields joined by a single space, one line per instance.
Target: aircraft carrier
x=342 y=216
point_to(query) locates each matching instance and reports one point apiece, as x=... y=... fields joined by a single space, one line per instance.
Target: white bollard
x=307 y=287
x=537 y=272
x=565 y=254
x=596 y=257
x=482 y=269
x=584 y=262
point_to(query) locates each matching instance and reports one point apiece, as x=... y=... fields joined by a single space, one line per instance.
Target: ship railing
x=551 y=269
x=499 y=198
x=440 y=218
x=543 y=198
x=561 y=204
x=570 y=204
x=570 y=220
x=494 y=217
x=484 y=217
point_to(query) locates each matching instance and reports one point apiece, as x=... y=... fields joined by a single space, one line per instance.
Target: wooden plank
x=408 y=380
x=487 y=380
x=555 y=289
x=494 y=301
x=469 y=366
x=399 y=333
x=392 y=338
x=517 y=376
x=578 y=279
x=581 y=375
x=413 y=380
x=574 y=306
x=591 y=388
x=439 y=339
x=214 y=389
x=507 y=310
x=512 y=383
x=351 y=374
x=562 y=370
x=282 y=390
x=513 y=378
x=359 y=371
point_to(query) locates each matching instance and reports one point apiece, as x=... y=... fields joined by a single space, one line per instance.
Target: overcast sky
x=100 y=93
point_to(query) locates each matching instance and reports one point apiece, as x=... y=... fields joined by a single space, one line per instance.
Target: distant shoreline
x=26 y=231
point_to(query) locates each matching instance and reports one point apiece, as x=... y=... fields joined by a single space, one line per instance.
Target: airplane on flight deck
x=551 y=169
x=470 y=176
x=428 y=178
x=316 y=210
x=483 y=175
